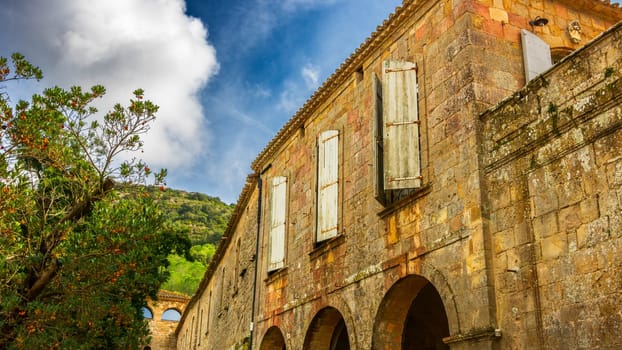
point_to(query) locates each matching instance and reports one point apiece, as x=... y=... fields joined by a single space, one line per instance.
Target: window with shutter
x=278 y=214
x=536 y=54
x=377 y=137
x=328 y=185
x=401 y=159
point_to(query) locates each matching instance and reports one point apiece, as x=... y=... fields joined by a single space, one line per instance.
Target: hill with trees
x=203 y=219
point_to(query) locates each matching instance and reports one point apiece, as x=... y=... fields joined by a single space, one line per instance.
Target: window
x=209 y=309
x=147 y=313
x=397 y=158
x=278 y=214
x=171 y=315
x=200 y=327
x=328 y=185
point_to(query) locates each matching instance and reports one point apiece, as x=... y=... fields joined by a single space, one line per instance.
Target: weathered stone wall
x=163 y=331
x=220 y=313
x=442 y=235
x=553 y=159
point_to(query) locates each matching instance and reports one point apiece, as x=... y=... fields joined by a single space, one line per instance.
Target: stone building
x=163 y=316
x=455 y=184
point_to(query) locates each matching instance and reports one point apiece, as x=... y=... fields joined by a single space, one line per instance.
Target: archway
x=273 y=340
x=327 y=331
x=171 y=315
x=411 y=317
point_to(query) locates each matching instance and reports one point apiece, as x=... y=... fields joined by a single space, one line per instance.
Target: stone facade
x=508 y=240
x=554 y=190
x=163 y=331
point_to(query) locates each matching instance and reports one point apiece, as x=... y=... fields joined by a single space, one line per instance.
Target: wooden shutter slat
x=278 y=215
x=401 y=153
x=328 y=184
x=536 y=54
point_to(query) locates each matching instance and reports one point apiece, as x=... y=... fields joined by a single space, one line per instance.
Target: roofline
x=172 y=296
x=342 y=74
x=345 y=71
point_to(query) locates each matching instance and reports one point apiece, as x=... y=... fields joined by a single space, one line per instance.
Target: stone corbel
x=574 y=31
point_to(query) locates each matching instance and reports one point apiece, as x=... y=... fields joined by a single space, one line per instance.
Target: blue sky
x=226 y=74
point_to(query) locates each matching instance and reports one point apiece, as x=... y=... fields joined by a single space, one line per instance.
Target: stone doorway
x=411 y=317
x=327 y=331
x=273 y=340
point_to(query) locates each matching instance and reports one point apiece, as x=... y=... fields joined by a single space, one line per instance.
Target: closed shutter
x=536 y=54
x=328 y=184
x=401 y=158
x=277 y=222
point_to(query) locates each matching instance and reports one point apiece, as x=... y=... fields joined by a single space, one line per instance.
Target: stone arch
x=412 y=315
x=328 y=331
x=147 y=312
x=439 y=281
x=171 y=314
x=273 y=340
x=558 y=53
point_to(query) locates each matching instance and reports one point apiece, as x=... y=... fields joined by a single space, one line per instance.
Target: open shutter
x=376 y=113
x=277 y=222
x=402 y=161
x=328 y=184
x=536 y=54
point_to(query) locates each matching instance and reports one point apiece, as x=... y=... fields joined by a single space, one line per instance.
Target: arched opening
x=411 y=317
x=327 y=331
x=171 y=315
x=147 y=313
x=273 y=340
x=557 y=53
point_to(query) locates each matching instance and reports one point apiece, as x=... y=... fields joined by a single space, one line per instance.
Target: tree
x=80 y=250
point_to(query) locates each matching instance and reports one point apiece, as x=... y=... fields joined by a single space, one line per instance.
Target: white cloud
x=311 y=76
x=123 y=45
x=291 y=98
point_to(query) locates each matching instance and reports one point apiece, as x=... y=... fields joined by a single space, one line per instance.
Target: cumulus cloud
x=123 y=45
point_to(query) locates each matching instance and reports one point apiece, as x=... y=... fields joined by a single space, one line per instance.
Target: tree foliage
x=78 y=252
x=204 y=218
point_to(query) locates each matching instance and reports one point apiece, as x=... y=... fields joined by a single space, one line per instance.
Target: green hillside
x=204 y=219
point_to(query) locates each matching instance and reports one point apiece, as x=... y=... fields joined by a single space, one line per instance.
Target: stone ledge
x=325 y=246
x=393 y=207
x=474 y=335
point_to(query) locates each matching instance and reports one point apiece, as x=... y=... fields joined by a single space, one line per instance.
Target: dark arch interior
x=327 y=331
x=273 y=340
x=426 y=322
x=411 y=317
x=340 y=339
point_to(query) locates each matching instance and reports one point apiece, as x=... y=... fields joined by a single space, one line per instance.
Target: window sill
x=324 y=247
x=393 y=207
x=276 y=275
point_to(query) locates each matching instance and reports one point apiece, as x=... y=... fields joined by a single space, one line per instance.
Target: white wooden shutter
x=328 y=184
x=401 y=158
x=277 y=222
x=376 y=114
x=536 y=54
